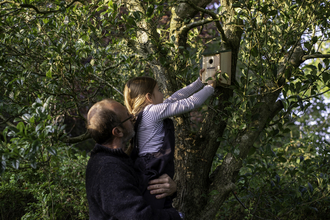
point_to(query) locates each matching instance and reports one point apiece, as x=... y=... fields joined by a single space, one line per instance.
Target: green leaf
x=17 y=119
x=326 y=62
x=150 y=10
x=4 y=134
x=115 y=6
x=136 y=15
x=173 y=38
x=282 y=159
x=275 y=132
x=15 y=164
x=39 y=126
x=26 y=129
x=52 y=151
x=35 y=145
x=33 y=165
x=252 y=151
x=20 y=126
x=110 y=4
x=298 y=86
x=293 y=173
x=32 y=119
x=254 y=51
x=298 y=193
x=131 y=21
x=287 y=130
x=309 y=66
x=272 y=13
x=49 y=74
x=325 y=77
x=300 y=103
x=314 y=39
x=278 y=178
x=264 y=9
x=293 y=6
x=311 y=189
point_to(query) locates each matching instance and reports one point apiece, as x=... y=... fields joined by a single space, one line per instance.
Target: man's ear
x=117 y=132
x=148 y=98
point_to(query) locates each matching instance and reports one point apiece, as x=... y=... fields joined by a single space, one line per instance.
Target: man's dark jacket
x=114 y=187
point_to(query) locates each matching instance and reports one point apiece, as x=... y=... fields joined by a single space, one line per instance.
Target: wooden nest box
x=218 y=61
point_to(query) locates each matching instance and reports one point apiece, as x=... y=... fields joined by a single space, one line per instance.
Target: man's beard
x=126 y=141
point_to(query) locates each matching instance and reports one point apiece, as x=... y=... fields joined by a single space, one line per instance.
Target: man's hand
x=163 y=186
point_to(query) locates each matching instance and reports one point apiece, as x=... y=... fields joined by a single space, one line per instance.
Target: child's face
x=157 y=96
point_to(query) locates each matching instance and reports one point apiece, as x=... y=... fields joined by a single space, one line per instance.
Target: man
x=113 y=184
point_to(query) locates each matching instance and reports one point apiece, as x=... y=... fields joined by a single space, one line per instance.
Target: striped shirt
x=151 y=130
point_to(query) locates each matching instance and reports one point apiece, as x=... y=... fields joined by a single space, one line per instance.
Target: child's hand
x=213 y=82
x=201 y=74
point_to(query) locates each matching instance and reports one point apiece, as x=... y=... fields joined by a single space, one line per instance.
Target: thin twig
x=245 y=207
x=313 y=56
x=99 y=78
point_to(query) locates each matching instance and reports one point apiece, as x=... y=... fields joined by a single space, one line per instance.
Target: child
x=154 y=130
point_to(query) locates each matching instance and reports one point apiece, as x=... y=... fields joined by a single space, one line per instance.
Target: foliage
x=55 y=190
x=44 y=177
x=287 y=174
x=59 y=57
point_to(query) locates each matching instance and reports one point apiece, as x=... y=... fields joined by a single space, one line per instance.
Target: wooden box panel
x=221 y=61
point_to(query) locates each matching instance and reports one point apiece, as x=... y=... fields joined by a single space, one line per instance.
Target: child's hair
x=135 y=93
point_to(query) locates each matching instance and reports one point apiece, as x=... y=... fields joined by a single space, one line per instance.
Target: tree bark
x=196 y=150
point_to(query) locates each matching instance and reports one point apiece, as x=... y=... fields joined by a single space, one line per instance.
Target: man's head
x=108 y=121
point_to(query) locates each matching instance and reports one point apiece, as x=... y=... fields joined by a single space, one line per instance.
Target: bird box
x=219 y=61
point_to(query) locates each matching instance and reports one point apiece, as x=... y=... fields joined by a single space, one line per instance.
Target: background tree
x=60 y=57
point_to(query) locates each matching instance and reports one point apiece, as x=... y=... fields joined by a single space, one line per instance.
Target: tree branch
x=278 y=106
x=36 y=9
x=309 y=97
x=4 y=2
x=186 y=28
x=213 y=15
x=99 y=78
x=4 y=15
x=312 y=56
x=7 y=121
x=73 y=140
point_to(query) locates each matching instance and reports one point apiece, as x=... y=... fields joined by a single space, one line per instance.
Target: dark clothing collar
x=114 y=152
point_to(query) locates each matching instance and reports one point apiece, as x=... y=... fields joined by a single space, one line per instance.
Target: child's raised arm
x=168 y=109
x=187 y=91
x=174 y=106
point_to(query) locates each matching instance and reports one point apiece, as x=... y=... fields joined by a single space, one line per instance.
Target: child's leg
x=148 y=174
x=153 y=201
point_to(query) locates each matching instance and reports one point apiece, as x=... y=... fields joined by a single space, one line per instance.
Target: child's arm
x=169 y=109
x=186 y=91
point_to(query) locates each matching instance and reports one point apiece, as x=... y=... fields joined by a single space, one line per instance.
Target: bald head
x=101 y=119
